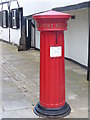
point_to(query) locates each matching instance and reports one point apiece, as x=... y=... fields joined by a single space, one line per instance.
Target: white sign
x=56 y=51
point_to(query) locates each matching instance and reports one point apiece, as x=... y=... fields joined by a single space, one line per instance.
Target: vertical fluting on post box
x=51 y=25
x=52 y=72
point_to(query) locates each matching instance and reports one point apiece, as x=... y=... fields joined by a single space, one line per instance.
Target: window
x=73 y=17
x=0 y=18
x=5 y=19
x=14 y=19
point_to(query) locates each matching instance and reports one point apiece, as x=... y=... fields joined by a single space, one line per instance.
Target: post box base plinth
x=61 y=111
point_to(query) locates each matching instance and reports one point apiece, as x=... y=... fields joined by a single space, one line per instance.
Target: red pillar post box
x=51 y=25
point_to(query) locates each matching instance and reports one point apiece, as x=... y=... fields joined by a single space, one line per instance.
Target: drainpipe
x=88 y=69
x=9 y=19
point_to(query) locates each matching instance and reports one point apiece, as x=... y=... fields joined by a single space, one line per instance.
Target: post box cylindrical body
x=52 y=73
x=52 y=68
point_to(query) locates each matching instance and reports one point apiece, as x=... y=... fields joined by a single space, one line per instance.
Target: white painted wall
x=15 y=34
x=37 y=40
x=37 y=35
x=5 y=34
x=5 y=31
x=76 y=37
x=0 y=32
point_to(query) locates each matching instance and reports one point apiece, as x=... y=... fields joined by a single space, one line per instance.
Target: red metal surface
x=51 y=21
x=52 y=73
x=52 y=69
x=52 y=15
x=52 y=27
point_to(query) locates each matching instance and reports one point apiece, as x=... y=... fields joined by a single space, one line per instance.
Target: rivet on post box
x=51 y=25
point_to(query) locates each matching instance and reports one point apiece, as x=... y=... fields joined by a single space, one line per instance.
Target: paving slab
x=12 y=96
x=9 y=88
x=16 y=104
x=24 y=113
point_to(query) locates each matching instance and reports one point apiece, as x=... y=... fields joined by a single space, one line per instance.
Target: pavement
x=20 y=84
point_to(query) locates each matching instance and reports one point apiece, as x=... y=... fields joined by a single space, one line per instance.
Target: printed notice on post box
x=56 y=51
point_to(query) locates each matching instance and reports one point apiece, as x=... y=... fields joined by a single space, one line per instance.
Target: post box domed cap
x=52 y=14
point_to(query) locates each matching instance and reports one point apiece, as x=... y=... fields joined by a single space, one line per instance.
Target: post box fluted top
x=51 y=21
x=52 y=14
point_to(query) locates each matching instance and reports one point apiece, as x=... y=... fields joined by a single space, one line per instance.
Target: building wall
x=37 y=34
x=76 y=37
x=38 y=40
x=15 y=34
x=0 y=32
x=5 y=31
